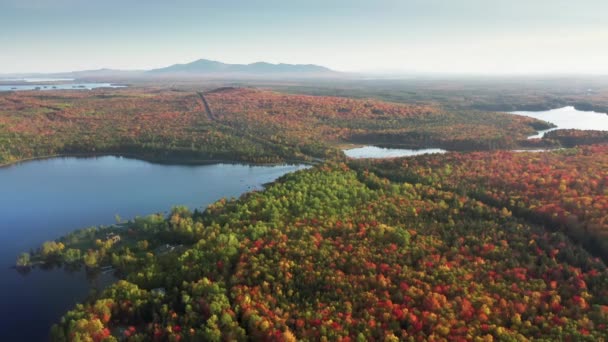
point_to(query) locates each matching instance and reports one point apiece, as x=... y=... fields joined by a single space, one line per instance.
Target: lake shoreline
x=378 y=152
x=566 y=118
x=55 y=86
x=159 y=161
x=583 y=107
x=57 y=196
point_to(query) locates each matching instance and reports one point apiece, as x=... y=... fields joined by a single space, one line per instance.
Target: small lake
x=568 y=118
x=381 y=152
x=59 y=86
x=44 y=199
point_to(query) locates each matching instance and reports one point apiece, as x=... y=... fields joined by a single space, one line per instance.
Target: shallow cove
x=44 y=199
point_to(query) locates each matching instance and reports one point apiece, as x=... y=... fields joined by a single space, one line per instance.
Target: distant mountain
x=202 y=68
x=205 y=66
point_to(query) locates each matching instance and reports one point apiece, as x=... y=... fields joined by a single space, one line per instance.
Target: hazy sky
x=480 y=36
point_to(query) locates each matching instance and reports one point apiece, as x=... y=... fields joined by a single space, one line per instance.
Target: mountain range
x=201 y=68
x=204 y=66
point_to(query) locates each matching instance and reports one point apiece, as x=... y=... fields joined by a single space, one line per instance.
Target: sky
x=409 y=36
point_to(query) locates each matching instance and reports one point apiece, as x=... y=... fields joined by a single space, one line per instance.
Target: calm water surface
x=569 y=118
x=380 y=152
x=42 y=200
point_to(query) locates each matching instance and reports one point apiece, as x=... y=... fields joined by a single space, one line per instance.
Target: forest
x=341 y=252
x=237 y=124
x=567 y=190
x=478 y=244
x=503 y=94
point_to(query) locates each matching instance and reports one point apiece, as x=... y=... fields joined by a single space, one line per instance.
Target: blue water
x=42 y=200
x=380 y=152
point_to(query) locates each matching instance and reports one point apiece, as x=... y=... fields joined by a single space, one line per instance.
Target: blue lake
x=44 y=199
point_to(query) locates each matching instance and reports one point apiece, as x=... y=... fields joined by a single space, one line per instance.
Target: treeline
x=246 y=125
x=162 y=125
x=482 y=94
x=370 y=121
x=565 y=189
x=574 y=137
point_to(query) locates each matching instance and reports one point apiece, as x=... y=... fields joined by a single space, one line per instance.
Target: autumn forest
x=482 y=243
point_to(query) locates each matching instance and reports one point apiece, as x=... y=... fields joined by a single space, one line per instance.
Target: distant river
x=59 y=86
x=35 y=79
x=44 y=199
x=568 y=118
